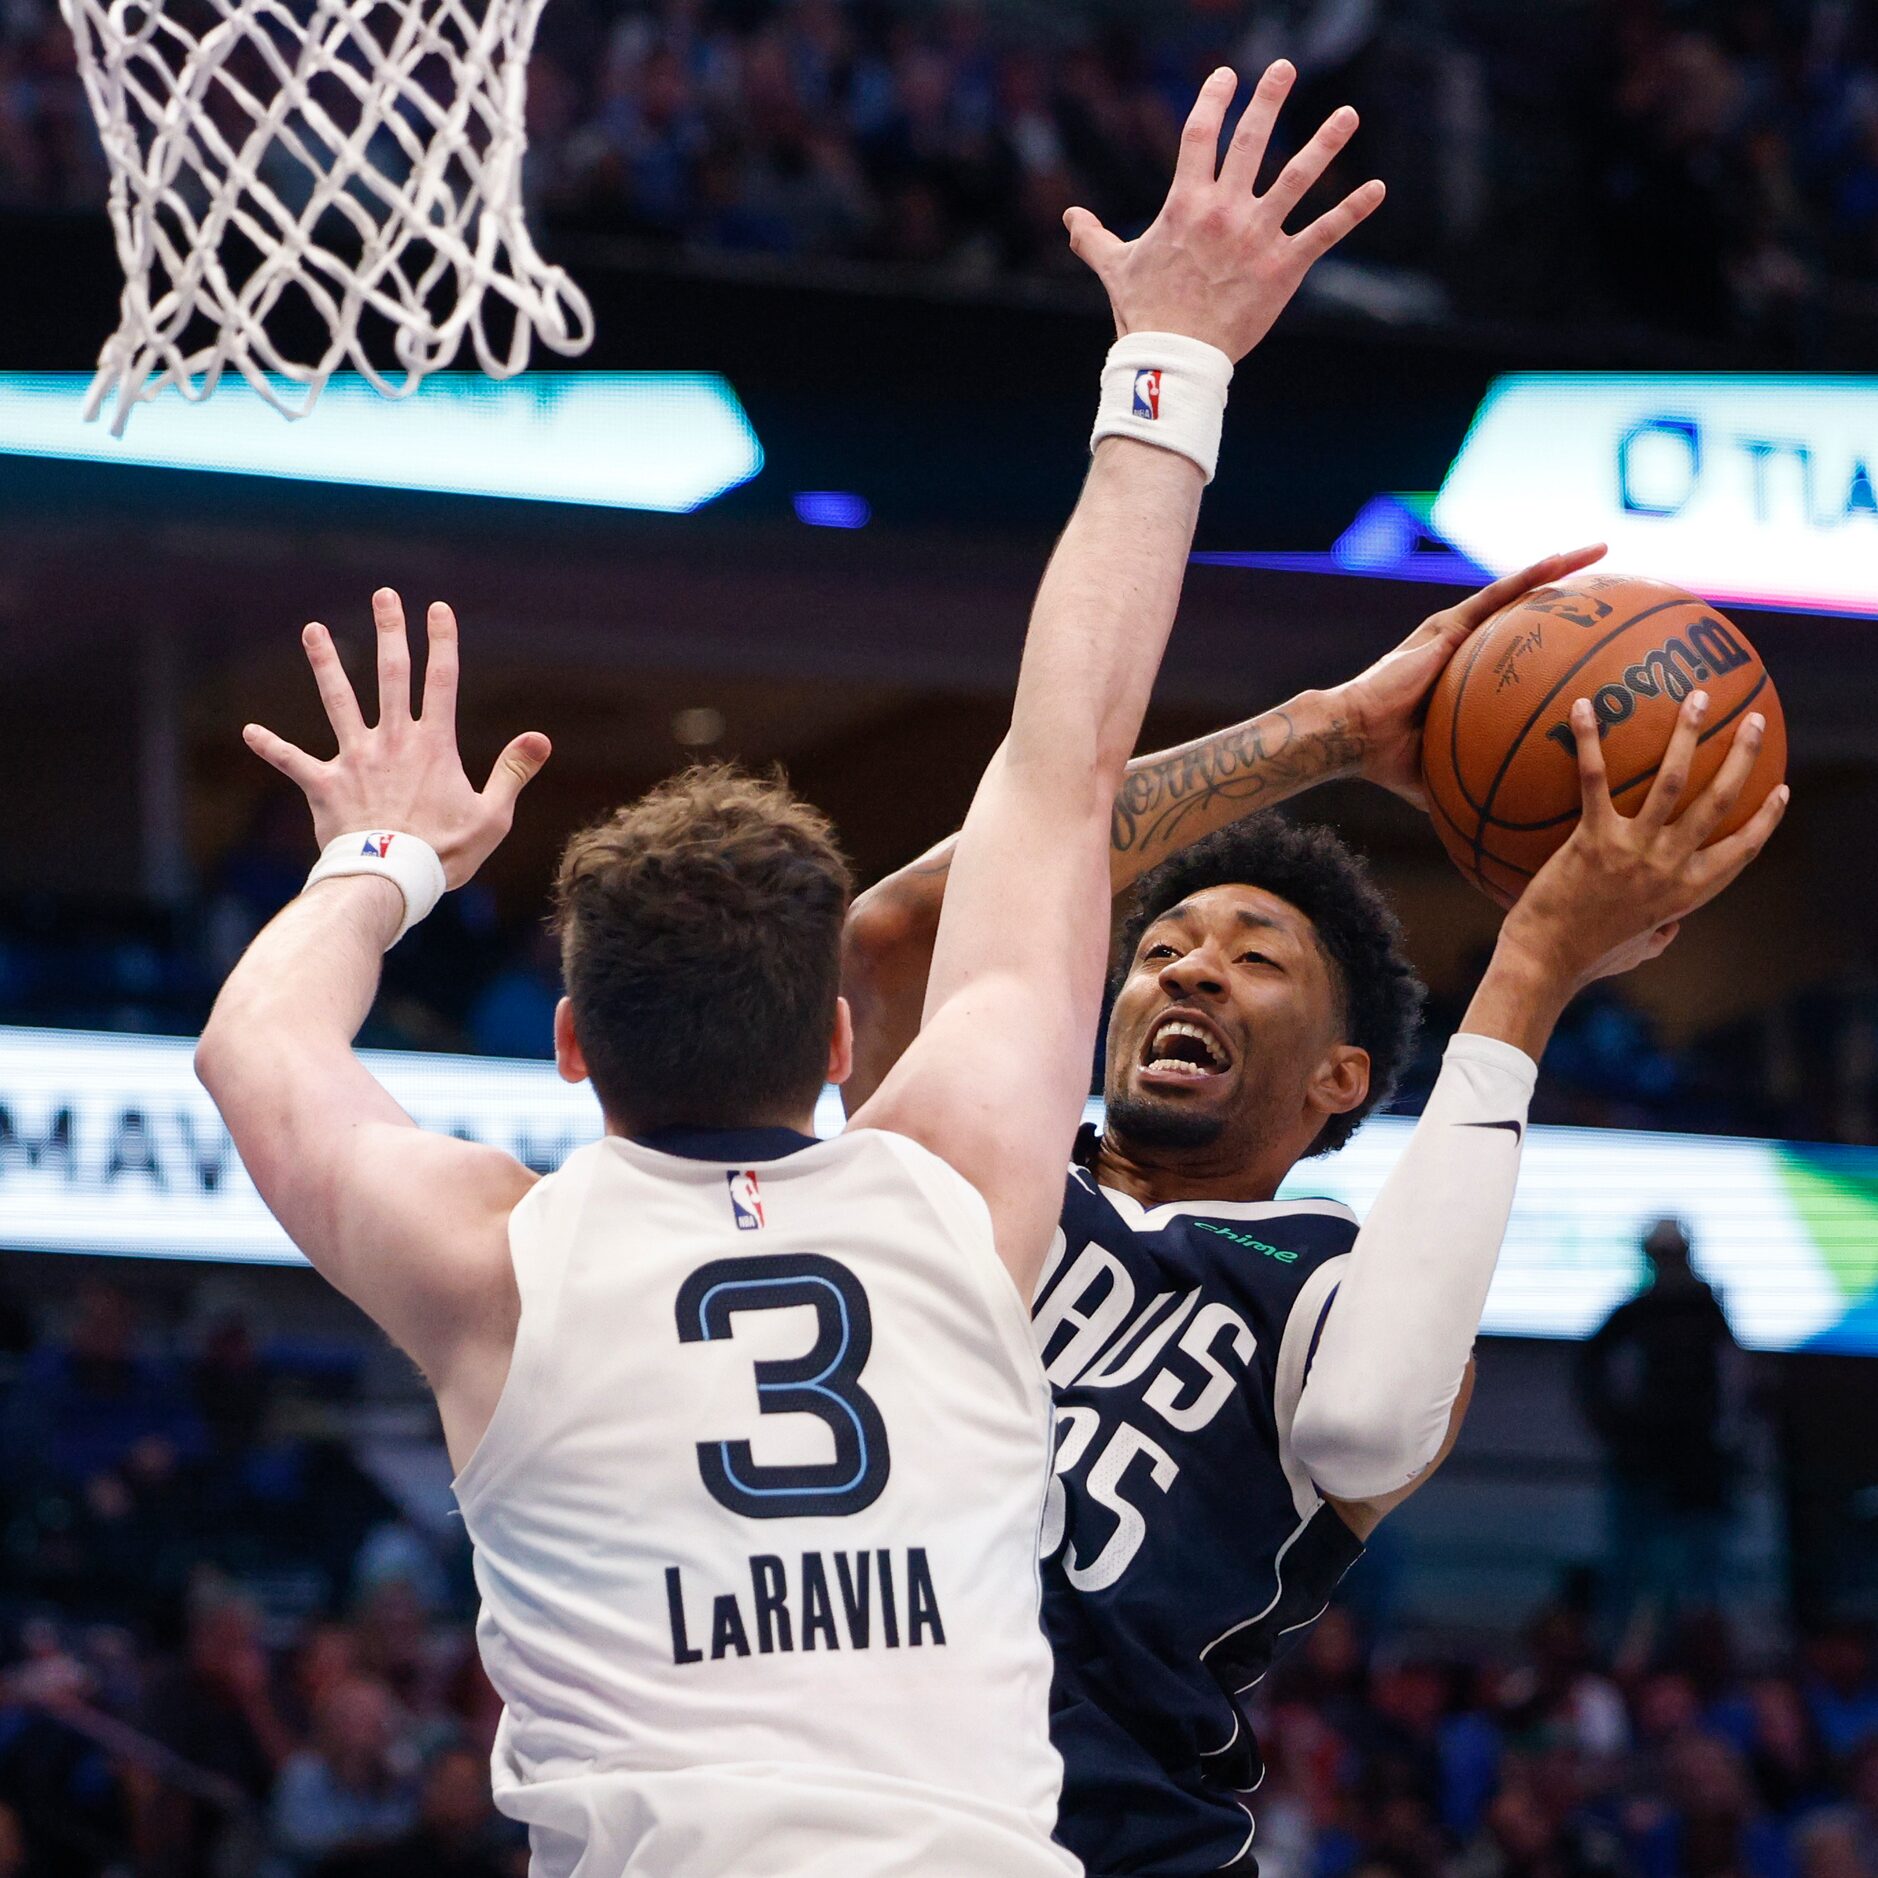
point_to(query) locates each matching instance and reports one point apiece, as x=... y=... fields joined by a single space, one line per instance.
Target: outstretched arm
x=407 y=1225
x=995 y=1082
x=1369 y=727
x=1380 y=1400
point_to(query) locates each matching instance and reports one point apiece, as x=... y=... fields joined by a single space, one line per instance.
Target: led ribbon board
x=109 y=1144
x=1752 y=489
x=665 y=441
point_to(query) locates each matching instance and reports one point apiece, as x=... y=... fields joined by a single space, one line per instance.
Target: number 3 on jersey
x=824 y=1382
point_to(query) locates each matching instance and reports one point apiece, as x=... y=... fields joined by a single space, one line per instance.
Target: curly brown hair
x=700 y=931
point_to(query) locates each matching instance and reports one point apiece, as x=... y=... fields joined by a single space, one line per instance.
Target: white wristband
x=1167 y=390
x=408 y=861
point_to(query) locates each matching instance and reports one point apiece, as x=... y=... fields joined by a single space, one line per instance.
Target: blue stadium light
x=1381 y=538
x=1390 y=539
x=1438 y=567
x=664 y=441
x=832 y=508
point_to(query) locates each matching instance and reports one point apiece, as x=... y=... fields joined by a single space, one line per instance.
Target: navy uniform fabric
x=1182 y=1542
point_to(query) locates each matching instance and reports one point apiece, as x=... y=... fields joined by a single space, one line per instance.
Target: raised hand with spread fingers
x=404 y=771
x=1217 y=264
x=412 y=1226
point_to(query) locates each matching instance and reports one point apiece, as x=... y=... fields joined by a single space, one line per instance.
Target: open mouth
x=1178 y=1047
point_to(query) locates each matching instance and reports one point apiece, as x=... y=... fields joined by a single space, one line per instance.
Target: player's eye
x=1256 y=958
x=1160 y=951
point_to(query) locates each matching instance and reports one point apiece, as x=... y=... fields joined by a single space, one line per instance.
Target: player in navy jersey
x=1245 y=1386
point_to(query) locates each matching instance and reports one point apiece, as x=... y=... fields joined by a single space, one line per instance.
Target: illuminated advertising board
x=109 y=1145
x=1755 y=489
x=663 y=441
x=1749 y=491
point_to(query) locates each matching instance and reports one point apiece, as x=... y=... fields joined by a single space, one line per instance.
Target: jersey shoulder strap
x=965 y=1220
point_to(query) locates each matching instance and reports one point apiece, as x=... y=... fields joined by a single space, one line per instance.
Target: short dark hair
x=1311 y=869
x=700 y=933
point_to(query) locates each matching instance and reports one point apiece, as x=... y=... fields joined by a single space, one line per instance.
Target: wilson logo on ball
x=1672 y=670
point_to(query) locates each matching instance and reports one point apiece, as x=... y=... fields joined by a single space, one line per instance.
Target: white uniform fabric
x=1387 y=1370
x=694 y=1686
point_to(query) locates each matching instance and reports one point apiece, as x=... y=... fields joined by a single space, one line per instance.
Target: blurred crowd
x=464 y=980
x=1558 y=1759
x=226 y=1650
x=233 y=1641
x=1700 y=168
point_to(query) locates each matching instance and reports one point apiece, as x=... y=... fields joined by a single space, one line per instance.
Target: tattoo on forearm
x=1265 y=760
x=1245 y=767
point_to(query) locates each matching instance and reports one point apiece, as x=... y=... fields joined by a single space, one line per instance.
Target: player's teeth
x=1179 y=1029
x=1179 y=1066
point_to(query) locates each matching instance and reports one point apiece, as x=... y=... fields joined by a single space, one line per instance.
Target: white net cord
x=280 y=161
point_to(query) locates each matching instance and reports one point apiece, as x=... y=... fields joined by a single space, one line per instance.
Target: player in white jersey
x=750 y=1437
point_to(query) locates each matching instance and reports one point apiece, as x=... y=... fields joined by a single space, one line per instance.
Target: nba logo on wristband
x=406 y=860
x=1194 y=376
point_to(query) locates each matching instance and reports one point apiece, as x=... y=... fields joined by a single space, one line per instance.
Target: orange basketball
x=1498 y=759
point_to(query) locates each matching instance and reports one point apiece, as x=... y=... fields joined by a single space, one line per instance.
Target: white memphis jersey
x=756 y=1520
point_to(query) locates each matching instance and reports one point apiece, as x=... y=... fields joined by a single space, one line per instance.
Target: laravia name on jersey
x=842 y=1600
x=746 y=1199
x=1148 y=392
x=380 y=845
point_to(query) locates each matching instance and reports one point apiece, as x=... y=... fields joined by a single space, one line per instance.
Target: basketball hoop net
x=351 y=157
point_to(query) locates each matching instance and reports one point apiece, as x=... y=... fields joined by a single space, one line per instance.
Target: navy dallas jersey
x=1182 y=1542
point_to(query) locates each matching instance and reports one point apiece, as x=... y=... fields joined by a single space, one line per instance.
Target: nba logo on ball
x=1148 y=392
x=746 y=1198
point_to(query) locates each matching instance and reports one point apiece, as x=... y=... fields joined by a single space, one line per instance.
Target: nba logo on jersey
x=379 y=845
x=1148 y=392
x=746 y=1198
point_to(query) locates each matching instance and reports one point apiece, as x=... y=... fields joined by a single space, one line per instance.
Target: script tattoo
x=1247 y=767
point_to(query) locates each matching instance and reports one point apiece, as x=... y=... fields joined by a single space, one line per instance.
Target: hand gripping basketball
x=1617 y=892
x=403 y=772
x=1386 y=705
x=1499 y=760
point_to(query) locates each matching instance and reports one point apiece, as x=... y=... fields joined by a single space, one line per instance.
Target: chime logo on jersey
x=380 y=845
x=1148 y=392
x=746 y=1198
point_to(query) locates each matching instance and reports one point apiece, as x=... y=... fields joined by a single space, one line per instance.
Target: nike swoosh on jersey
x=1516 y=1129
